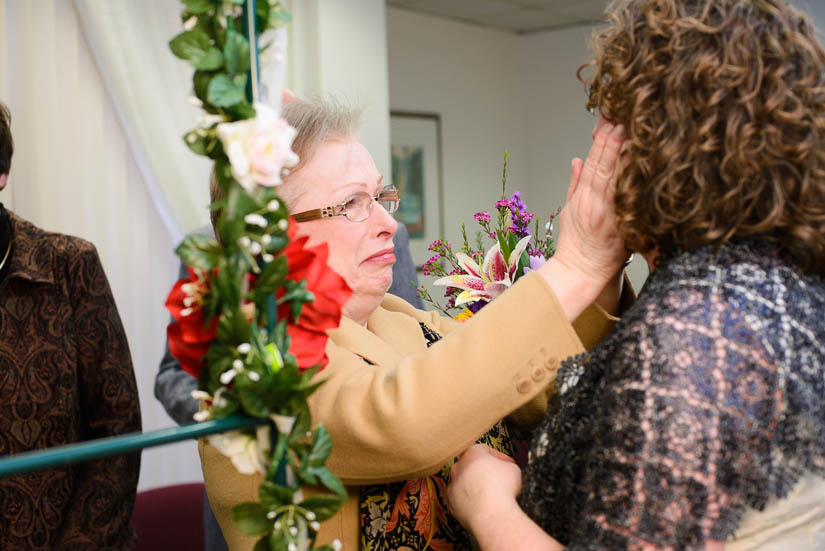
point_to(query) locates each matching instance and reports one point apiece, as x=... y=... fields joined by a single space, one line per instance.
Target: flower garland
x=251 y=318
x=477 y=277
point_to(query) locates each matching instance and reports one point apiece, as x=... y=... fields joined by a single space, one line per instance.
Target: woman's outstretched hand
x=589 y=250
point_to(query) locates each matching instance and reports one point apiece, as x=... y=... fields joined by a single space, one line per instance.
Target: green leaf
x=271 y=17
x=271 y=277
x=329 y=480
x=273 y=496
x=200 y=82
x=254 y=398
x=197 y=6
x=324 y=506
x=262 y=544
x=303 y=423
x=278 y=242
x=196 y=47
x=278 y=540
x=279 y=336
x=241 y=111
x=199 y=251
x=321 y=447
x=209 y=379
x=250 y=519
x=308 y=476
x=233 y=328
x=240 y=203
x=262 y=10
x=296 y=294
x=224 y=91
x=226 y=285
x=236 y=52
x=200 y=145
x=230 y=405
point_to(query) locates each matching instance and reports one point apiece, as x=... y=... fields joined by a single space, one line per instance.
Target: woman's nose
x=383 y=220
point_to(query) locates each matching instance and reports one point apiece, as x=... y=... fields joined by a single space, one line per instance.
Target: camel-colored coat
x=410 y=409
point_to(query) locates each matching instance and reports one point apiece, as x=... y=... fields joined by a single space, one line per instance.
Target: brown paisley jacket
x=65 y=376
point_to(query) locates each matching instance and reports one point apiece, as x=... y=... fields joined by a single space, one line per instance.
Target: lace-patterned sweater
x=708 y=400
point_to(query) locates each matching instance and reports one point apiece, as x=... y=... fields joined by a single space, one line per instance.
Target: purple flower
x=482 y=216
x=519 y=215
x=535 y=262
x=474 y=307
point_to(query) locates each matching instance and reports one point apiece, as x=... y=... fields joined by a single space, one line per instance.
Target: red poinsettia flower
x=308 y=338
x=189 y=336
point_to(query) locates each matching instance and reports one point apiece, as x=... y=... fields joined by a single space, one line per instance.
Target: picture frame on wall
x=415 y=146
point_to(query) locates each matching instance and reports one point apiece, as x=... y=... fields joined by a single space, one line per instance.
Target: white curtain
x=148 y=87
x=74 y=171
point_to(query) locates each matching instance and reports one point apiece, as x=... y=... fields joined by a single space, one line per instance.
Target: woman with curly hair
x=699 y=423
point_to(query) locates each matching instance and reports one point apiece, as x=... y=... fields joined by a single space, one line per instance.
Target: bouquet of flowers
x=251 y=318
x=477 y=274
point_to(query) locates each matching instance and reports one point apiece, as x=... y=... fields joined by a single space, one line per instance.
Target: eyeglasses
x=357 y=208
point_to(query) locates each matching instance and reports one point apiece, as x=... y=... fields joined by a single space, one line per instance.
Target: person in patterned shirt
x=65 y=376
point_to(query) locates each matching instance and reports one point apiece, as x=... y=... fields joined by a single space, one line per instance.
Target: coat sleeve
x=173 y=385
x=105 y=489
x=591 y=327
x=395 y=422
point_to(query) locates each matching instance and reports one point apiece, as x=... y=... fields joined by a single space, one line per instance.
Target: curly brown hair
x=723 y=102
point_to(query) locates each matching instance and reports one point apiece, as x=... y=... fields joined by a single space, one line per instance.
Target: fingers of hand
x=597 y=149
x=501 y=456
x=609 y=158
x=575 y=175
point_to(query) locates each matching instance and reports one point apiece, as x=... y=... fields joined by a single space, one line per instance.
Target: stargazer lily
x=486 y=283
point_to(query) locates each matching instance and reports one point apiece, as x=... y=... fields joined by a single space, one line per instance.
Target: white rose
x=245 y=452
x=258 y=149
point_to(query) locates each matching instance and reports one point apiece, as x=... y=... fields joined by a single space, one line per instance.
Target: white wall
x=470 y=76
x=339 y=49
x=816 y=10
x=558 y=127
x=495 y=91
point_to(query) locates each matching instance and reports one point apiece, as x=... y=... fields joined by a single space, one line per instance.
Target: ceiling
x=516 y=16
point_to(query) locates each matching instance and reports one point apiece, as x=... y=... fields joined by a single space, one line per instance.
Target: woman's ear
x=287 y=95
x=4 y=178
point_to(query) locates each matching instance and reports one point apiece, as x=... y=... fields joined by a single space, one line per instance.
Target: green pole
x=62 y=456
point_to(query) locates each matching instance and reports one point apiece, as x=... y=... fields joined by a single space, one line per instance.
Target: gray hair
x=317 y=120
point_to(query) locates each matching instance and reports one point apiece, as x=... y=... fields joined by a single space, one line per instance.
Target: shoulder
x=44 y=255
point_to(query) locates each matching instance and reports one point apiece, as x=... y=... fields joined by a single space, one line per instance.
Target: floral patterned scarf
x=412 y=514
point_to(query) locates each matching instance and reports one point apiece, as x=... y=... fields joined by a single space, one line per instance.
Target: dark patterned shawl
x=707 y=399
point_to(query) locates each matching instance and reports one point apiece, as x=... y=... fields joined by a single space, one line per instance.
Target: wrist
x=574 y=289
x=611 y=295
x=486 y=525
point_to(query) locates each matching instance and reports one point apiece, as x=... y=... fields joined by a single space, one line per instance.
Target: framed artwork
x=415 y=144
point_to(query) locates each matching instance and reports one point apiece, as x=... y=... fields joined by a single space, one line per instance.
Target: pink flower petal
x=495 y=268
x=466 y=282
x=468 y=264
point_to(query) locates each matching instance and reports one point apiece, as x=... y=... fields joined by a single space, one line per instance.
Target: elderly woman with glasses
x=405 y=390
